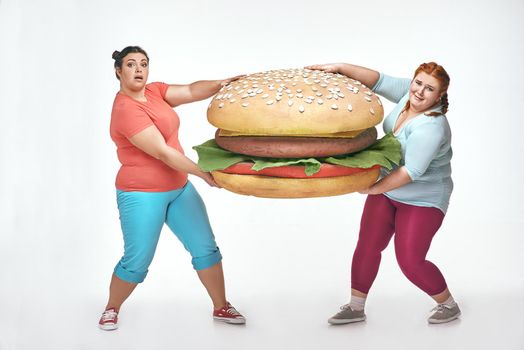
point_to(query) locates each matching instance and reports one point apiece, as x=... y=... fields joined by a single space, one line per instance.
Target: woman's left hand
x=229 y=80
x=368 y=190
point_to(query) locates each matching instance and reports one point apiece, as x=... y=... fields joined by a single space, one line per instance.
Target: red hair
x=438 y=72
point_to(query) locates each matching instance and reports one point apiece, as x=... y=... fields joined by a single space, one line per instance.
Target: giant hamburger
x=296 y=133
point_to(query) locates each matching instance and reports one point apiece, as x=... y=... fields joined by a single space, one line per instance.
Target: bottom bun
x=274 y=187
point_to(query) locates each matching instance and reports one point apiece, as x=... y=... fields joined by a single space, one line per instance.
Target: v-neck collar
x=437 y=108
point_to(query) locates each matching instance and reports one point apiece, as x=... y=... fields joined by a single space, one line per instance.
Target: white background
x=286 y=261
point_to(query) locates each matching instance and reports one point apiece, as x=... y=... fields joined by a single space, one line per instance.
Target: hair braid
x=445 y=103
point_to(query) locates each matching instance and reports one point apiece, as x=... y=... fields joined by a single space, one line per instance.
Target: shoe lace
x=232 y=311
x=440 y=308
x=109 y=315
x=345 y=307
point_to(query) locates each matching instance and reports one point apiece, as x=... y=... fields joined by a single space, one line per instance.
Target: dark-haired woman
x=152 y=183
x=410 y=202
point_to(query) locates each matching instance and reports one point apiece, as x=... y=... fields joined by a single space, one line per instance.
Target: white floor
x=279 y=322
x=51 y=299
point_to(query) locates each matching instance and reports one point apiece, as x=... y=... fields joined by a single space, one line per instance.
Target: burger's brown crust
x=295 y=102
x=272 y=187
x=295 y=147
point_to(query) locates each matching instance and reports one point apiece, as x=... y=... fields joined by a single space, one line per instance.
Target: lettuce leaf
x=385 y=152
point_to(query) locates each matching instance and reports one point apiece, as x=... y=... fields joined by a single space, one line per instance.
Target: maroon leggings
x=414 y=228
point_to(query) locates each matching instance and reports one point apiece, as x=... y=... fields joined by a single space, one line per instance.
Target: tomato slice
x=295 y=171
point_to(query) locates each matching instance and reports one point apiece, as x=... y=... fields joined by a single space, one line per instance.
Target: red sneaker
x=109 y=320
x=228 y=314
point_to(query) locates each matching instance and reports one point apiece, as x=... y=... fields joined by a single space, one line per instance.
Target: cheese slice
x=345 y=134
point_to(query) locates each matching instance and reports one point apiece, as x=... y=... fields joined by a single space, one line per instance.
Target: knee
x=129 y=274
x=408 y=265
x=134 y=266
x=201 y=245
x=366 y=248
x=206 y=260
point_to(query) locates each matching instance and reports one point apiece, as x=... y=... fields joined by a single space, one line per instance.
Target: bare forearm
x=396 y=179
x=202 y=89
x=367 y=76
x=151 y=141
x=176 y=160
x=197 y=91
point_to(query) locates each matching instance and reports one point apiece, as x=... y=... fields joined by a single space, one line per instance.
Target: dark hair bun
x=115 y=54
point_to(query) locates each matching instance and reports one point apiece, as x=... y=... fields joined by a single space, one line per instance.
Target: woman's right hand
x=207 y=177
x=232 y=79
x=327 y=67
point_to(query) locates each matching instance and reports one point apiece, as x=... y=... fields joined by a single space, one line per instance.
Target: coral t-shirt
x=140 y=171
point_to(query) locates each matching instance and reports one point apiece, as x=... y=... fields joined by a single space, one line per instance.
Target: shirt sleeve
x=422 y=146
x=130 y=120
x=391 y=88
x=159 y=88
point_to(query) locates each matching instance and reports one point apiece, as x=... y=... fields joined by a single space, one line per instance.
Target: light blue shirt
x=426 y=149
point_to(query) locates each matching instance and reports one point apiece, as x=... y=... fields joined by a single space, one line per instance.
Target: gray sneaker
x=444 y=313
x=347 y=315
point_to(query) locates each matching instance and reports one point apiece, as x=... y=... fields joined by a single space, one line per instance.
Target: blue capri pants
x=142 y=216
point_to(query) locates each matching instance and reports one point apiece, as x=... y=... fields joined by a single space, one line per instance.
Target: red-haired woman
x=411 y=200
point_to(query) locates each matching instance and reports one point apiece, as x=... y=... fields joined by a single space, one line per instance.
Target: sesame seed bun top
x=295 y=102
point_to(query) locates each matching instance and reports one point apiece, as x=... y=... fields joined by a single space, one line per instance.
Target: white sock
x=449 y=302
x=357 y=303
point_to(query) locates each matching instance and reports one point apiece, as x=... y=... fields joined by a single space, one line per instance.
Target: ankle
x=221 y=305
x=449 y=302
x=109 y=307
x=357 y=303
